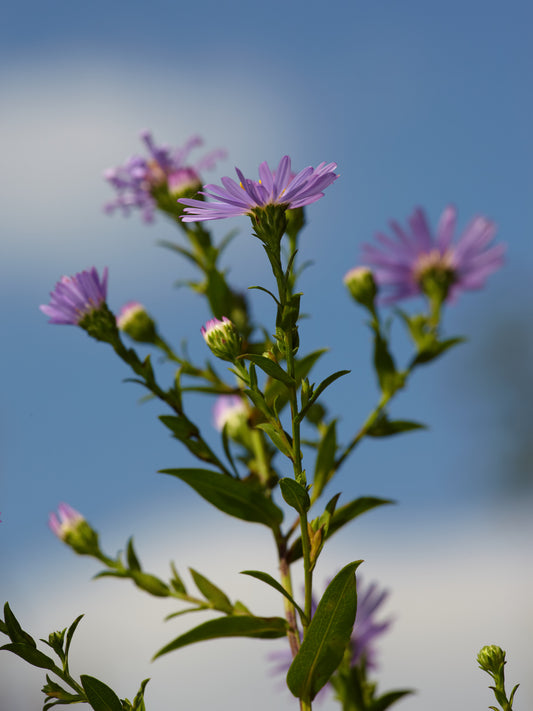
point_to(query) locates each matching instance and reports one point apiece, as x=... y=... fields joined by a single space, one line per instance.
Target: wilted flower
x=416 y=263
x=222 y=338
x=70 y=527
x=279 y=187
x=136 y=322
x=76 y=297
x=138 y=181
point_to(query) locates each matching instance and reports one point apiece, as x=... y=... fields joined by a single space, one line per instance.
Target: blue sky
x=418 y=104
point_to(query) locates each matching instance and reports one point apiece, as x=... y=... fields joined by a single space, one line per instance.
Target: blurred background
x=420 y=104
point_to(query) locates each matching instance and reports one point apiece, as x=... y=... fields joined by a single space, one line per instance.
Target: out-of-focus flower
x=222 y=338
x=361 y=285
x=365 y=633
x=230 y=411
x=70 y=527
x=140 y=180
x=279 y=187
x=416 y=262
x=136 y=322
x=76 y=297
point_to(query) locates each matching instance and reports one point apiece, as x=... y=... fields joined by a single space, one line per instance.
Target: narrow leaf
x=70 y=633
x=232 y=496
x=384 y=427
x=327 y=636
x=391 y=697
x=279 y=439
x=325 y=459
x=269 y=580
x=270 y=368
x=211 y=592
x=99 y=695
x=31 y=655
x=239 y=626
x=295 y=495
x=133 y=561
x=320 y=389
x=14 y=630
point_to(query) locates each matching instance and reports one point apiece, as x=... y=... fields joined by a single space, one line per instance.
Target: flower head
x=279 y=187
x=136 y=322
x=416 y=263
x=222 y=338
x=76 y=297
x=70 y=527
x=229 y=410
x=141 y=181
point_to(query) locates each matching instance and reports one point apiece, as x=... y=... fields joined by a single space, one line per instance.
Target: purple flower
x=229 y=410
x=138 y=179
x=365 y=633
x=279 y=187
x=416 y=263
x=75 y=297
x=66 y=522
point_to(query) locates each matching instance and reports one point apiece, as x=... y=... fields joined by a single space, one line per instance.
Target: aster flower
x=76 y=297
x=138 y=181
x=229 y=410
x=365 y=633
x=279 y=187
x=416 y=263
x=70 y=526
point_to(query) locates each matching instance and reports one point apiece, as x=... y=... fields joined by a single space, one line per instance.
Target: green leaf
x=14 y=630
x=295 y=495
x=138 y=701
x=149 y=583
x=325 y=459
x=327 y=636
x=269 y=580
x=211 y=592
x=435 y=350
x=390 y=380
x=279 y=438
x=320 y=389
x=239 y=626
x=270 y=368
x=302 y=368
x=232 y=496
x=31 y=655
x=70 y=633
x=391 y=697
x=99 y=695
x=383 y=427
x=340 y=518
x=133 y=561
x=176 y=582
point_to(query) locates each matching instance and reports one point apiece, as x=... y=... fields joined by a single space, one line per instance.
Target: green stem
x=371 y=419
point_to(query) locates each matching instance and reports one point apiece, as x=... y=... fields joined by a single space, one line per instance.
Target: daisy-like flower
x=76 y=297
x=416 y=262
x=139 y=180
x=279 y=187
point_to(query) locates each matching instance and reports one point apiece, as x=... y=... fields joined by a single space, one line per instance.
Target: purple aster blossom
x=365 y=633
x=65 y=521
x=75 y=297
x=136 y=180
x=278 y=187
x=403 y=264
x=229 y=410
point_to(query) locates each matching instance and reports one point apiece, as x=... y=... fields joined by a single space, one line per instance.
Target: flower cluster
x=279 y=187
x=416 y=262
x=139 y=178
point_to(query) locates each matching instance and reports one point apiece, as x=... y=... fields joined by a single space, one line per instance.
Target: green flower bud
x=222 y=338
x=362 y=286
x=136 y=322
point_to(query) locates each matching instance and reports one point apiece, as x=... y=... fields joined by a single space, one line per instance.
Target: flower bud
x=70 y=526
x=136 y=322
x=231 y=412
x=222 y=338
x=184 y=182
x=491 y=659
x=362 y=286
